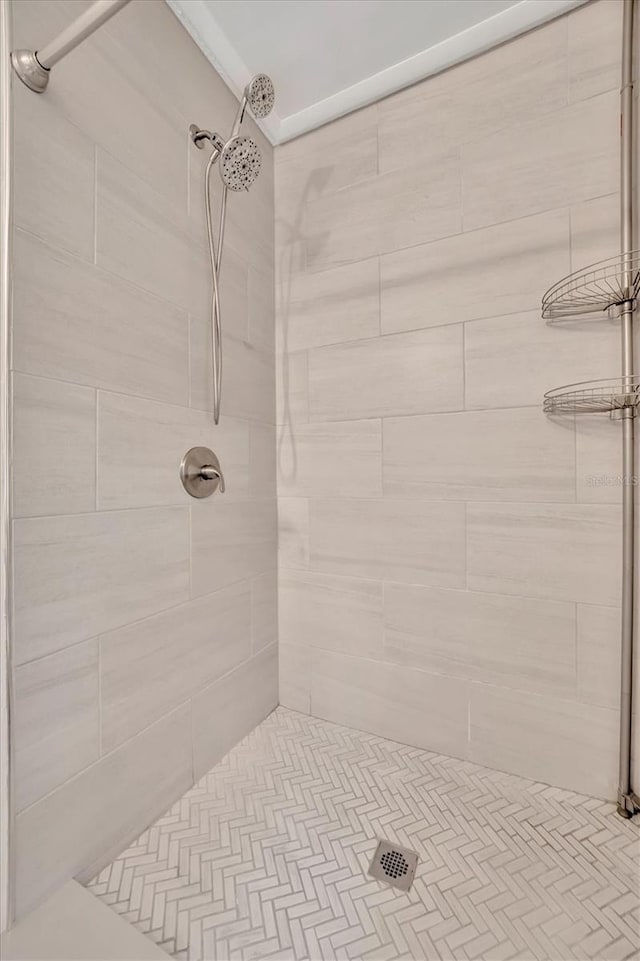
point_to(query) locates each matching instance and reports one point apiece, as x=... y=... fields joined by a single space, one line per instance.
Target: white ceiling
x=328 y=57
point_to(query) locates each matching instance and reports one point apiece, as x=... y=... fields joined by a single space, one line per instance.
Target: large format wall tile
x=542 y=163
x=229 y=709
x=262 y=459
x=292 y=390
x=595 y=231
x=331 y=306
x=563 y=743
x=54 y=180
x=412 y=373
x=475 y=98
x=148 y=668
x=141 y=444
x=293 y=532
x=342 y=457
x=82 y=825
x=494 y=522
x=334 y=156
x=231 y=541
x=516 y=642
x=594 y=36
x=294 y=677
x=387 y=213
x=234 y=293
x=331 y=612
x=98 y=331
x=112 y=98
x=500 y=455
x=55 y=720
x=111 y=349
x=264 y=610
x=248 y=381
x=598 y=460
x=138 y=238
x=248 y=376
x=78 y=575
x=50 y=474
x=407 y=541
x=567 y=552
x=413 y=707
x=484 y=273
x=261 y=309
x=511 y=361
x=599 y=631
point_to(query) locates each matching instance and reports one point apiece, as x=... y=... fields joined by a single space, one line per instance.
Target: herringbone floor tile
x=267 y=857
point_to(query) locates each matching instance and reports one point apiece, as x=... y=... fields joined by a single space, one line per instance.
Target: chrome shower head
x=240 y=163
x=260 y=95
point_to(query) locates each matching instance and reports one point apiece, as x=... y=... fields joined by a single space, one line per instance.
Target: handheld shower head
x=260 y=95
x=240 y=163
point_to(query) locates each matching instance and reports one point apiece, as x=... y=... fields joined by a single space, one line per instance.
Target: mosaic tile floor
x=267 y=857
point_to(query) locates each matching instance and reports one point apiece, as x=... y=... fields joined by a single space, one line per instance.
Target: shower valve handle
x=209 y=472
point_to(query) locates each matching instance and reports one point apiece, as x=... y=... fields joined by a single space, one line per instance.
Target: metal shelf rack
x=594 y=396
x=613 y=283
x=597 y=288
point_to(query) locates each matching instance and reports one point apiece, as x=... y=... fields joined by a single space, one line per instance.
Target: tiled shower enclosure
x=402 y=618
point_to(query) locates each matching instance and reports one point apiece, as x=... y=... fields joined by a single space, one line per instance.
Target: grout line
x=466 y=544
x=95 y=204
x=464 y=365
x=380 y=331
x=143 y=397
x=174 y=709
x=389 y=583
x=190 y=405
x=100 y=739
x=460 y=233
x=576 y=639
x=103 y=634
x=78 y=774
x=190 y=539
x=96 y=452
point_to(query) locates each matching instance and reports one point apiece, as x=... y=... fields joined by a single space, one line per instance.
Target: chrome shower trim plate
x=30 y=70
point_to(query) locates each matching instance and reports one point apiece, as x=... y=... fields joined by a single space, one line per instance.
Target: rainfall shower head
x=240 y=163
x=260 y=95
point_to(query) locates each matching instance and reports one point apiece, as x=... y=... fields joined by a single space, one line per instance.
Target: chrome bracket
x=30 y=70
x=202 y=137
x=628 y=805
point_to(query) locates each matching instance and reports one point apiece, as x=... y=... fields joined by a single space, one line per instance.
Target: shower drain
x=394 y=865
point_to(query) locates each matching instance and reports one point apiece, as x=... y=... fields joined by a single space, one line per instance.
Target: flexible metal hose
x=216 y=324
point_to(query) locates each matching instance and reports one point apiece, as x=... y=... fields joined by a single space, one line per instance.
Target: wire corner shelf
x=605 y=284
x=594 y=396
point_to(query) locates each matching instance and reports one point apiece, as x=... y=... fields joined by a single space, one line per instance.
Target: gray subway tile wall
x=469 y=604
x=132 y=628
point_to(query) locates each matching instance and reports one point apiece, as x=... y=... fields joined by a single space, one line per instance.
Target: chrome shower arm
x=235 y=130
x=33 y=66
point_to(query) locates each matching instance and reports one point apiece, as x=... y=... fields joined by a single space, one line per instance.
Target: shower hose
x=215 y=259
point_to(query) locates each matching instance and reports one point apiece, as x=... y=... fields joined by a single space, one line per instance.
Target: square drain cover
x=394 y=865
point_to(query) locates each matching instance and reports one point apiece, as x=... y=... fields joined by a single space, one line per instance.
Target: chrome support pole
x=33 y=66
x=627 y=805
x=7 y=806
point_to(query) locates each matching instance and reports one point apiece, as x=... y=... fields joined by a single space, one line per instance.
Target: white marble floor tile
x=267 y=857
